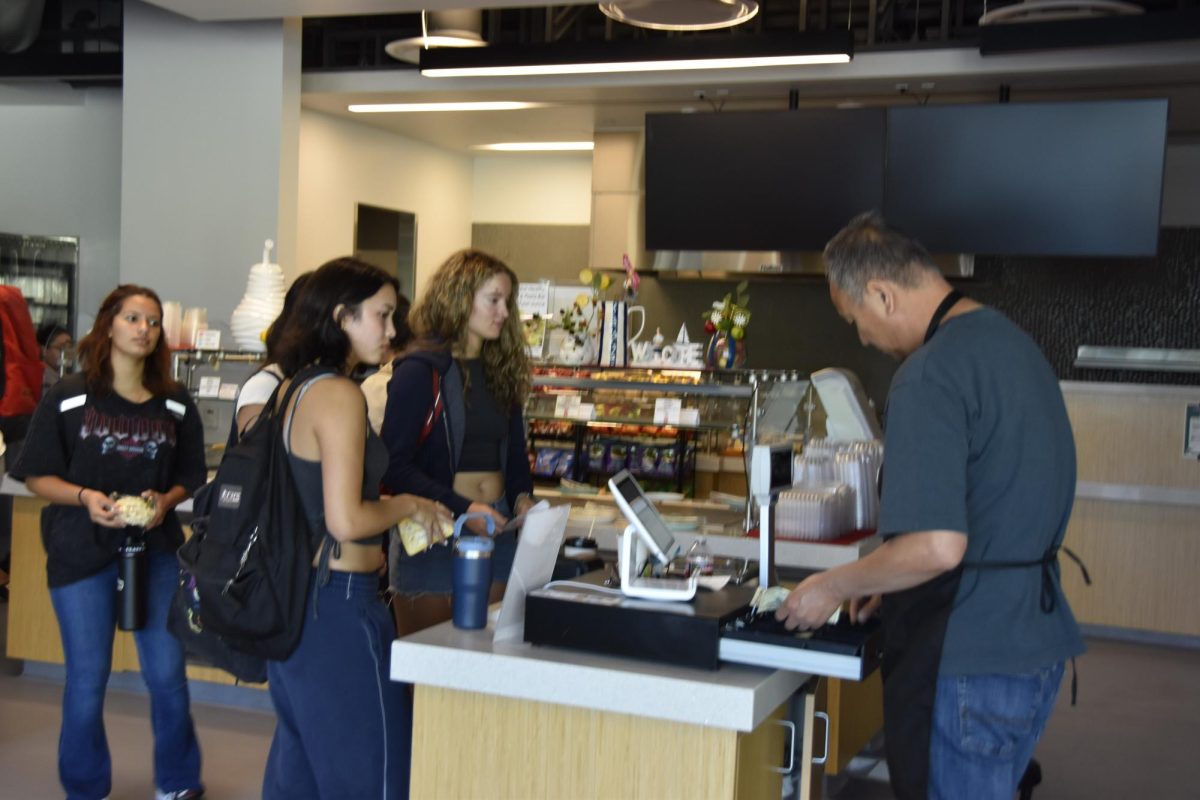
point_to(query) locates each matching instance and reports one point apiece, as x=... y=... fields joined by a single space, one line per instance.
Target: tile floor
x=1134 y=734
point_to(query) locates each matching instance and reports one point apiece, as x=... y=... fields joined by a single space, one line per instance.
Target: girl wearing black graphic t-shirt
x=121 y=426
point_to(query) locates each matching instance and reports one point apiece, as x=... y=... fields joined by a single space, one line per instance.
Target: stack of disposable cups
x=260 y=305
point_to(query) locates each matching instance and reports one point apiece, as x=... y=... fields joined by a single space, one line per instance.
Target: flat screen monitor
x=642 y=514
x=1068 y=179
x=760 y=180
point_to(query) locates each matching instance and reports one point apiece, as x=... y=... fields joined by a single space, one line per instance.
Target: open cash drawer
x=840 y=650
x=713 y=628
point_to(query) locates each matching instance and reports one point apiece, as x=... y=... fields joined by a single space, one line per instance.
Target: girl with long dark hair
x=343 y=727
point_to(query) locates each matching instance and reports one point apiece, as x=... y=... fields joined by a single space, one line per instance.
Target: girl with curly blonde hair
x=453 y=424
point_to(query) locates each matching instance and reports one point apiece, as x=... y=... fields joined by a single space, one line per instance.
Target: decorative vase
x=572 y=353
x=725 y=352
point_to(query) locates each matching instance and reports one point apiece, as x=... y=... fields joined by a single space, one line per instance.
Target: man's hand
x=810 y=605
x=862 y=608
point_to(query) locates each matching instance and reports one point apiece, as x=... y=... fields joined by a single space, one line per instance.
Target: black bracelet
x=79 y=496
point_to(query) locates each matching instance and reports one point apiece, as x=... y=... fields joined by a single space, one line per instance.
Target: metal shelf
x=642 y=421
x=697 y=389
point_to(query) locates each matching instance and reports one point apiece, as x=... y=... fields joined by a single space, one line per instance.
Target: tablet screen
x=647 y=515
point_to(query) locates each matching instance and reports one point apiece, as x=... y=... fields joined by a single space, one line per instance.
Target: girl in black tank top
x=343 y=726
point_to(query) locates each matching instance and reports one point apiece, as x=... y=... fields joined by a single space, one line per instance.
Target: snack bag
x=134 y=510
x=415 y=538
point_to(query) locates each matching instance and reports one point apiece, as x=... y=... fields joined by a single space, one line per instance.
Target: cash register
x=676 y=623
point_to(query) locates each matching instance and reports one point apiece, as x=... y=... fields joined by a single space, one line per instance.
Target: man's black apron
x=914 y=624
x=915 y=629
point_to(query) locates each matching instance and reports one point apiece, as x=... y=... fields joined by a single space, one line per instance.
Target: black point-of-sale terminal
x=708 y=628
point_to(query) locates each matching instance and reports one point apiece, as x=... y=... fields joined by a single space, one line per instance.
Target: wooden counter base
x=471 y=745
x=32 y=626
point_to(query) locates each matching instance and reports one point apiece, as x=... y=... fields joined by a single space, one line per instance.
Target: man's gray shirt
x=978 y=441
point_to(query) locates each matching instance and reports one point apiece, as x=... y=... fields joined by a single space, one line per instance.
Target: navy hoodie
x=429 y=471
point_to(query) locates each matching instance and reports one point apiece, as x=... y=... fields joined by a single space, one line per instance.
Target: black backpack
x=245 y=570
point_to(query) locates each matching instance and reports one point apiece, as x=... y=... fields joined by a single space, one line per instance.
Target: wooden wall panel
x=1144 y=561
x=1132 y=438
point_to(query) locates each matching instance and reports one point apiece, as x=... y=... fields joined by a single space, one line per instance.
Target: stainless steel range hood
x=739 y=264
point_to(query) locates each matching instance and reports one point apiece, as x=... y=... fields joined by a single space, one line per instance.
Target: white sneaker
x=181 y=794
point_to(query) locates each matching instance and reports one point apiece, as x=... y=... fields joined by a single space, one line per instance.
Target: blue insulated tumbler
x=472 y=574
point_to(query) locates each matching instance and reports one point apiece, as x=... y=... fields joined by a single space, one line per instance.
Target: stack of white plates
x=259 y=307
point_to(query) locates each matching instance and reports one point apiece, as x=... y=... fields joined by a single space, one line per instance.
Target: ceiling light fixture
x=641 y=55
x=400 y=108
x=1051 y=10
x=680 y=15
x=459 y=28
x=530 y=147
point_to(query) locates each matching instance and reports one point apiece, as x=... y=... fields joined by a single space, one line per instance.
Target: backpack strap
x=435 y=410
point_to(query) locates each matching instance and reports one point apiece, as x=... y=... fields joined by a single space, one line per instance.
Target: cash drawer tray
x=841 y=650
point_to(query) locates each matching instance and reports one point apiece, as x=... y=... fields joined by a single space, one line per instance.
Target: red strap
x=435 y=411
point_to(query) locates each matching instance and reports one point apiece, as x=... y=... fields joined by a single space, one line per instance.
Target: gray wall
x=60 y=158
x=204 y=137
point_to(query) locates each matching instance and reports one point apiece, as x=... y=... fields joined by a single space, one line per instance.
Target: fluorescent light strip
x=397 y=108
x=526 y=147
x=636 y=66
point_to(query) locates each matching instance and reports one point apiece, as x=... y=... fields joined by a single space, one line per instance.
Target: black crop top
x=307 y=474
x=486 y=426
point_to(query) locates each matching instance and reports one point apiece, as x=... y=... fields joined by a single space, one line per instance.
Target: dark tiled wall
x=1119 y=302
x=1063 y=303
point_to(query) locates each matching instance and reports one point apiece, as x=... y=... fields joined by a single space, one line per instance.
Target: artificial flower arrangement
x=576 y=321
x=729 y=316
x=726 y=322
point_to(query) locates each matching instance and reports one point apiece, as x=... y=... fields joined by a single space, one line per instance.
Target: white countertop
x=733 y=697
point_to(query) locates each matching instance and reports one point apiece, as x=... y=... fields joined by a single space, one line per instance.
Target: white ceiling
x=580 y=105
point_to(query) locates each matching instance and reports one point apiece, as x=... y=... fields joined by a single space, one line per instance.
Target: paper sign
x=584 y=411
x=689 y=417
x=534 y=298
x=228 y=391
x=209 y=339
x=1191 y=431
x=535 y=335
x=564 y=403
x=666 y=410
x=210 y=386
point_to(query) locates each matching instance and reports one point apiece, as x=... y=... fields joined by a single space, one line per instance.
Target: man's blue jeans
x=984 y=730
x=87 y=619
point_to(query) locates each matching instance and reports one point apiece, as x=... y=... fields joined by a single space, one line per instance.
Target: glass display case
x=587 y=423
x=44 y=269
x=213 y=377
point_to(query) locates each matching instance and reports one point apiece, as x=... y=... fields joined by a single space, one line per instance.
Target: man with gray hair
x=978 y=483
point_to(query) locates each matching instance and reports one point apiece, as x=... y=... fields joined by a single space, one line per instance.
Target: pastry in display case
x=587 y=424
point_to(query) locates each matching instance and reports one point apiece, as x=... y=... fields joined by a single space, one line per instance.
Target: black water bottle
x=131 y=583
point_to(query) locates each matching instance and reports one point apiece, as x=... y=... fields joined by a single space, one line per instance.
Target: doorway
x=387 y=239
